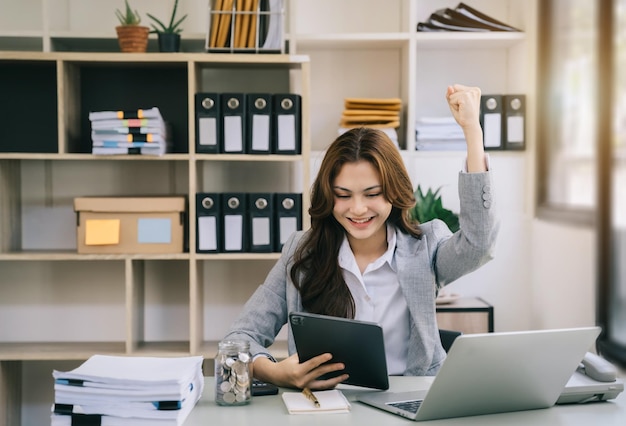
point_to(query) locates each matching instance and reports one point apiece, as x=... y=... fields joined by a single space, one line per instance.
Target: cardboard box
x=130 y=225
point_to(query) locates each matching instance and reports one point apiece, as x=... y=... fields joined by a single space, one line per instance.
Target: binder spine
x=287 y=124
x=259 y=132
x=208 y=122
x=233 y=107
x=260 y=222
x=234 y=229
x=288 y=208
x=491 y=121
x=515 y=121
x=209 y=223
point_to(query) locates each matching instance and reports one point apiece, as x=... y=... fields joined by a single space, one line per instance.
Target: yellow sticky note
x=102 y=232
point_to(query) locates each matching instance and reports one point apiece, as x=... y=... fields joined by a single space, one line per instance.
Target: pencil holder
x=246 y=26
x=233 y=373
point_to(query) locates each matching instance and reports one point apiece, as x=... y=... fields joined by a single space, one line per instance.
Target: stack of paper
x=376 y=113
x=141 y=131
x=115 y=390
x=438 y=134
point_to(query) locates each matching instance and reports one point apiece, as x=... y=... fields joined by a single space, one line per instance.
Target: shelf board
x=461 y=40
x=248 y=157
x=73 y=256
x=157 y=58
x=238 y=256
x=351 y=41
x=69 y=255
x=91 y=157
x=44 y=351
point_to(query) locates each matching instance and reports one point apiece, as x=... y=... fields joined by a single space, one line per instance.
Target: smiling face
x=359 y=203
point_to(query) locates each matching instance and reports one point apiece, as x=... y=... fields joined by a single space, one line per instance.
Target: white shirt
x=378 y=298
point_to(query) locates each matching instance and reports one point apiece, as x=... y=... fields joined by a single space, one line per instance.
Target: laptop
x=358 y=344
x=494 y=373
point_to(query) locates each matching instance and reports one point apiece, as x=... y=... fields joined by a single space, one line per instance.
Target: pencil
x=310 y=396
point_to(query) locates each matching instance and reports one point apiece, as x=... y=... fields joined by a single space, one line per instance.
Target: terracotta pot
x=132 y=38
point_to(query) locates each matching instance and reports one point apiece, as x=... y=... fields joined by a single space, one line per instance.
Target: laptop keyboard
x=410 y=406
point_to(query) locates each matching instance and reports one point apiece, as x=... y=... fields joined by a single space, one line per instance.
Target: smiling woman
x=366 y=258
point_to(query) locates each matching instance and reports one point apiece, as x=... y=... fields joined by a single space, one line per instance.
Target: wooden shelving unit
x=38 y=187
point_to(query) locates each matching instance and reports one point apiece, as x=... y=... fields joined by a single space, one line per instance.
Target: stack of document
x=375 y=113
x=438 y=134
x=462 y=18
x=142 y=131
x=132 y=391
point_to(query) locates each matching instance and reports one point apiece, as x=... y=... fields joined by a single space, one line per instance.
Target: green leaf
x=173 y=25
x=429 y=206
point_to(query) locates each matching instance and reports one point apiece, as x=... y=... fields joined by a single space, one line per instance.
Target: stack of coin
x=233 y=378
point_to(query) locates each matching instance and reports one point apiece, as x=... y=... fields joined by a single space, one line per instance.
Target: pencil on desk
x=310 y=396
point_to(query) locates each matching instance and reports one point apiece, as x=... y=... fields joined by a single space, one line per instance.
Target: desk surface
x=270 y=410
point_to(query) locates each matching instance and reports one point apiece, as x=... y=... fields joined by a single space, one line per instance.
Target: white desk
x=270 y=410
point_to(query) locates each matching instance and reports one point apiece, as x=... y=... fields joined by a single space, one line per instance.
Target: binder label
x=207 y=131
x=261 y=132
x=287 y=226
x=286 y=132
x=233 y=231
x=515 y=129
x=207 y=233
x=492 y=130
x=233 y=138
x=261 y=231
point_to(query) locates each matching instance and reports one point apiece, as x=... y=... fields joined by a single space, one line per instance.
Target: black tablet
x=357 y=344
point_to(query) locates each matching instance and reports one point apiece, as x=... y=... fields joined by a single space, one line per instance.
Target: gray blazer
x=424 y=265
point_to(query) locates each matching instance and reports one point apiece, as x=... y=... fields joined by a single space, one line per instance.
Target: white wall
x=563 y=275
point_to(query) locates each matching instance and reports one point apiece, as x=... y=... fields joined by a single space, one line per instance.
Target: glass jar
x=233 y=373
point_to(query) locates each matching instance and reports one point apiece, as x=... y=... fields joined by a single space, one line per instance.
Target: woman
x=364 y=258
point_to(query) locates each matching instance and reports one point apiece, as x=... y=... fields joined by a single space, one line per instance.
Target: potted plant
x=131 y=36
x=169 y=35
x=429 y=206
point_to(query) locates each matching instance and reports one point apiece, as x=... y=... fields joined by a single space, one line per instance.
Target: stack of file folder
x=438 y=134
x=130 y=391
x=377 y=113
x=141 y=131
x=462 y=18
x=245 y=26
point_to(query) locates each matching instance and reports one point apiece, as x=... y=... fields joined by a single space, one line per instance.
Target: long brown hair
x=316 y=272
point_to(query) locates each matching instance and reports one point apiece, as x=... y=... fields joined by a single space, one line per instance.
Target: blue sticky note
x=154 y=231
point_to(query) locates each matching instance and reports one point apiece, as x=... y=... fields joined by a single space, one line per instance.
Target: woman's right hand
x=293 y=374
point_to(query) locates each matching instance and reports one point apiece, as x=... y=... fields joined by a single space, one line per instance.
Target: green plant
x=129 y=17
x=429 y=206
x=172 y=28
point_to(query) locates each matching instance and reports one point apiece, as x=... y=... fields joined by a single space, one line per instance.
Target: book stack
x=377 y=113
x=462 y=18
x=130 y=391
x=245 y=25
x=141 y=131
x=438 y=134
